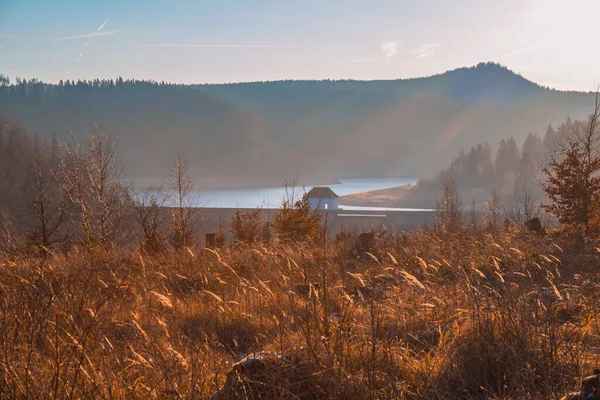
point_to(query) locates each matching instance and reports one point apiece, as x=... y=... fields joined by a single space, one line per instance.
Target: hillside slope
x=314 y=130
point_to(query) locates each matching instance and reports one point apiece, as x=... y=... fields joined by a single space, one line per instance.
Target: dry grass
x=425 y=315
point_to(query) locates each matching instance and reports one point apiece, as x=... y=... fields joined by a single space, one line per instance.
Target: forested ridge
x=107 y=294
x=314 y=130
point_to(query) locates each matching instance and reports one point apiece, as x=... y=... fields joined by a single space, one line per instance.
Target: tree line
x=510 y=167
x=559 y=174
x=56 y=196
x=237 y=129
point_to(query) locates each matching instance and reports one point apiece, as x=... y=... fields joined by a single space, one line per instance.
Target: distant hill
x=315 y=130
x=151 y=122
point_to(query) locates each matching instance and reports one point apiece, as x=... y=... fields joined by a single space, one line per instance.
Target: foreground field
x=425 y=315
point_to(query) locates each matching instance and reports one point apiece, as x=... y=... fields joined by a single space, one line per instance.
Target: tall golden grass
x=421 y=315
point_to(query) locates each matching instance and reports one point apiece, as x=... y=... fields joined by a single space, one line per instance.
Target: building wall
x=324 y=204
x=218 y=220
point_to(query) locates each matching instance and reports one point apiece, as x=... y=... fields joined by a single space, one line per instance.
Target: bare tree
x=588 y=136
x=512 y=209
x=148 y=204
x=49 y=204
x=73 y=180
x=473 y=214
x=107 y=191
x=183 y=214
x=91 y=177
x=528 y=203
x=448 y=215
x=492 y=211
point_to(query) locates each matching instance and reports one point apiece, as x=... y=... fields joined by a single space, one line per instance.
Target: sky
x=551 y=42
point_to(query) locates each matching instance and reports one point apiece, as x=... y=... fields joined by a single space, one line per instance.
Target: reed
x=421 y=315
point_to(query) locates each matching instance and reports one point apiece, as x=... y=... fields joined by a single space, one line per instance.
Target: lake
x=271 y=197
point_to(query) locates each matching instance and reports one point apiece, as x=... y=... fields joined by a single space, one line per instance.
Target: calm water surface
x=271 y=197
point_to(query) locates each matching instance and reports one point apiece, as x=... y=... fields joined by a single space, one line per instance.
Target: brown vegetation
x=296 y=222
x=248 y=228
x=467 y=310
x=573 y=177
x=425 y=315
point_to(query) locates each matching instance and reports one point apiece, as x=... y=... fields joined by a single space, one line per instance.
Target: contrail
x=89 y=35
x=225 y=46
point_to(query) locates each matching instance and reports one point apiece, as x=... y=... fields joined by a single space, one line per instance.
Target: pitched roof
x=322 y=193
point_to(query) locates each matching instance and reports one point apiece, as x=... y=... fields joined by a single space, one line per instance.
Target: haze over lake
x=271 y=197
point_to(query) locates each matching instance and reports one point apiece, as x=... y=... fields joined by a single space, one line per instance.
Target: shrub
x=296 y=222
x=247 y=227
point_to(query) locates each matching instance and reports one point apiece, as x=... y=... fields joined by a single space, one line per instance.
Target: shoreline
x=404 y=197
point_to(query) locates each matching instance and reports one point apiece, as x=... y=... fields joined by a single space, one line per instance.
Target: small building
x=323 y=198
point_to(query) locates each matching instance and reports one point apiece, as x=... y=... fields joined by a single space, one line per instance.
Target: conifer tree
x=296 y=222
x=573 y=176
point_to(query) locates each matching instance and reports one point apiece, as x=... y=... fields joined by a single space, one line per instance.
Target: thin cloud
x=225 y=46
x=362 y=60
x=65 y=73
x=21 y=71
x=86 y=45
x=93 y=34
x=427 y=50
x=390 y=49
x=102 y=26
x=8 y=36
x=335 y=63
x=79 y=57
x=525 y=50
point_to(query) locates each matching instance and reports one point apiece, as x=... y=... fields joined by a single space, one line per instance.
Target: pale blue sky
x=549 y=41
